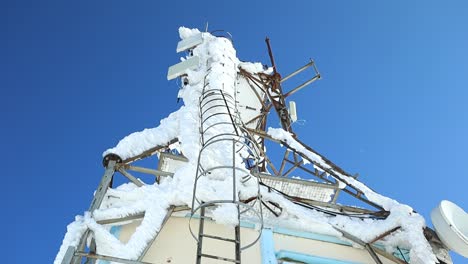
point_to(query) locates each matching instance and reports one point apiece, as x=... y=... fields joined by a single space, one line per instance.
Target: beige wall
x=176 y=245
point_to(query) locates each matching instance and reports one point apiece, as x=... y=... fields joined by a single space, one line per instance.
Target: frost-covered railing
x=218 y=114
x=228 y=174
x=226 y=160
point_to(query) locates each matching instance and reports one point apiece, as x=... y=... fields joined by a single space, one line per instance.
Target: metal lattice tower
x=233 y=108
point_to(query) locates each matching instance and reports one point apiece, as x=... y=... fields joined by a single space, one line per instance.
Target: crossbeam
x=121 y=219
x=298 y=71
x=373 y=250
x=148 y=171
x=293 y=91
x=130 y=177
x=150 y=152
x=150 y=243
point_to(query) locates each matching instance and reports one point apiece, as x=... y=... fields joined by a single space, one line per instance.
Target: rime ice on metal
x=212 y=157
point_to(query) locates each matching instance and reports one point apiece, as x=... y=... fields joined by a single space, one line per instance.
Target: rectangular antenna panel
x=180 y=68
x=170 y=162
x=292 y=111
x=190 y=42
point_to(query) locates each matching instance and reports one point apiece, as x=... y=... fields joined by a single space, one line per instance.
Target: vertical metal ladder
x=222 y=128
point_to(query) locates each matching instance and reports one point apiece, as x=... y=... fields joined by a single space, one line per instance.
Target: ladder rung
x=221 y=238
x=220 y=258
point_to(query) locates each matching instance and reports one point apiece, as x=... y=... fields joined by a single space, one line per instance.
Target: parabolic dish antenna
x=451 y=225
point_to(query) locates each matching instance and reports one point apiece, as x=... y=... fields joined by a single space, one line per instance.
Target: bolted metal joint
x=109 y=157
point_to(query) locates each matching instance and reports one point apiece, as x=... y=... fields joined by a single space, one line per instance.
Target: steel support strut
x=95 y=204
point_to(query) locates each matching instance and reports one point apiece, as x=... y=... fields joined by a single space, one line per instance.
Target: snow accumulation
x=138 y=142
x=411 y=223
x=154 y=200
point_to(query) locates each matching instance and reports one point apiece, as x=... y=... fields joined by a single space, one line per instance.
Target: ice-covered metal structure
x=217 y=196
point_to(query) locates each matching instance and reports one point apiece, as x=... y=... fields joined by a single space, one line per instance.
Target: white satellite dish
x=451 y=225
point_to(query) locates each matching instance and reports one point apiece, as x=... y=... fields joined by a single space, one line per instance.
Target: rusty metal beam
x=384 y=234
x=270 y=53
x=255 y=118
x=246 y=75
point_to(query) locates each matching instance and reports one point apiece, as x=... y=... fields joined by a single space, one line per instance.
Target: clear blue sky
x=77 y=76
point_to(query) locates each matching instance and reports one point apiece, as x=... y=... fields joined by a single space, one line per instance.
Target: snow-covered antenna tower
x=228 y=158
x=217 y=196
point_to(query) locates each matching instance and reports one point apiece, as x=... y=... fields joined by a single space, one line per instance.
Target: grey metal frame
x=74 y=255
